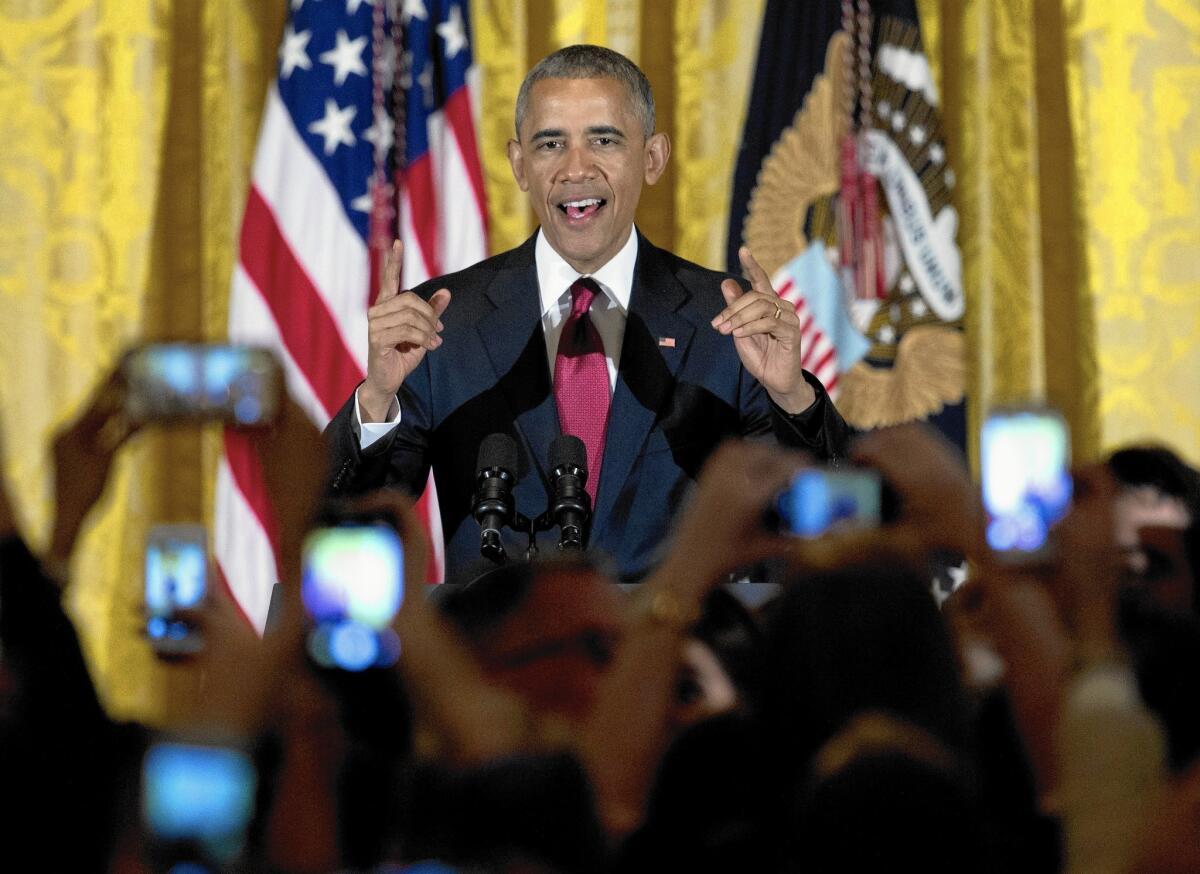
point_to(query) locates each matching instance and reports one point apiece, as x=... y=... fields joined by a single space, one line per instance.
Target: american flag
x=321 y=209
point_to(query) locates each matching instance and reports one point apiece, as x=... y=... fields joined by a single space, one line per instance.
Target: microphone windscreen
x=567 y=449
x=498 y=450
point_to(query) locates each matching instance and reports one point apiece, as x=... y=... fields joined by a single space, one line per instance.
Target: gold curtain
x=1075 y=134
x=127 y=130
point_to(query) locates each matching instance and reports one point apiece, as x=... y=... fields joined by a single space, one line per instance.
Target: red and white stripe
x=818 y=355
x=302 y=286
x=443 y=210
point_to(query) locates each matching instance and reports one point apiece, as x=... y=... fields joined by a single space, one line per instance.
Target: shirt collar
x=555 y=275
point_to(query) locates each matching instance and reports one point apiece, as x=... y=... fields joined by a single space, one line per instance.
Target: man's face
x=582 y=158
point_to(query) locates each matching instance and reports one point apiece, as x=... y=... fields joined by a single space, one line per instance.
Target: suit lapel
x=516 y=347
x=658 y=331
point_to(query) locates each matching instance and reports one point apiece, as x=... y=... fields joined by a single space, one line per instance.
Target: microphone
x=492 y=505
x=572 y=507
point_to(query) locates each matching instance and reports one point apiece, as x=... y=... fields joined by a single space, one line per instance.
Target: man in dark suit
x=587 y=328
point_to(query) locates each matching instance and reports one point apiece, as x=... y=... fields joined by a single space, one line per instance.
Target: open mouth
x=578 y=210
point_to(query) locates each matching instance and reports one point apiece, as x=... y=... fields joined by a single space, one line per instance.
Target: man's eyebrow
x=554 y=133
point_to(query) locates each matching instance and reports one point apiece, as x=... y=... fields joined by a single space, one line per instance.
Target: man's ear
x=657 y=151
x=516 y=158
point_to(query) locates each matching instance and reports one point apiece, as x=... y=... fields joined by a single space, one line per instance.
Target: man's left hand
x=766 y=334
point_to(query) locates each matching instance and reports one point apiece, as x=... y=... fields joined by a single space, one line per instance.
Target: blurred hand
x=83 y=454
x=1088 y=563
x=939 y=502
x=1028 y=633
x=721 y=529
x=1171 y=844
x=401 y=511
x=401 y=328
x=473 y=719
x=294 y=460
x=235 y=666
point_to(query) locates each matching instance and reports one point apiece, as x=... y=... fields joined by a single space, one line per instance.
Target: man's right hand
x=401 y=328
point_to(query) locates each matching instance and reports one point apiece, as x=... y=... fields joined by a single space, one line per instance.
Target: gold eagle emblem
x=915 y=364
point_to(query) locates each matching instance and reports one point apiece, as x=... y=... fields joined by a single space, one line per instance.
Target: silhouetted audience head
x=546 y=630
x=1158 y=504
x=867 y=636
x=885 y=795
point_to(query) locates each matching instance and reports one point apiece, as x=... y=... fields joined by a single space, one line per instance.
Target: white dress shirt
x=555 y=278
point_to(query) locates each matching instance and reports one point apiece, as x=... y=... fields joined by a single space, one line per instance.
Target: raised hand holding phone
x=401 y=328
x=197 y=382
x=197 y=805
x=176 y=579
x=83 y=455
x=1025 y=456
x=352 y=586
x=820 y=501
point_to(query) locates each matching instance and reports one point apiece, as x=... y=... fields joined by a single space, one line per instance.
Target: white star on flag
x=363 y=202
x=296 y=4
x=335 y=126
x=381 y=133
x=292 y=53
x=352 y=5
x=346 y=57
x=413 y=9
x=453 y=32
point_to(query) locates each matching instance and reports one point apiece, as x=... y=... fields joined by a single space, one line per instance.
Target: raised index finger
x=389 y=282
x=758 y=277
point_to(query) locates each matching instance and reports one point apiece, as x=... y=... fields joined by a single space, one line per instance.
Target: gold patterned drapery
x=1075 y=133
x=127 y=129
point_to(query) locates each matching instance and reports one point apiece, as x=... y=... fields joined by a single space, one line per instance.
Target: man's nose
x=577 y=165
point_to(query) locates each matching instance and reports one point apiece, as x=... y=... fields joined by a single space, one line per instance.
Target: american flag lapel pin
x=666 y=342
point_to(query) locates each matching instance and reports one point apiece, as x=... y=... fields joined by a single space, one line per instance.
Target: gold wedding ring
x=778 y=310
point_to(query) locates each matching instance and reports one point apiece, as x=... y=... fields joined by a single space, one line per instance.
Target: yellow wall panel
x=1135 y=89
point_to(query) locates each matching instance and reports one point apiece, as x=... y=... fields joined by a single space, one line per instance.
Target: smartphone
x=194 y=381
x=1025 y=460
x=176 y=578
x=352 y=585
x=197 y=803
x=819 y=501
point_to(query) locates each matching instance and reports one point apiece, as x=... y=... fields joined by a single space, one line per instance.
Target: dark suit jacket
x=670 y=409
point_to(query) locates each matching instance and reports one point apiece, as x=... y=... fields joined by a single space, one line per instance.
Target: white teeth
x=580 y=204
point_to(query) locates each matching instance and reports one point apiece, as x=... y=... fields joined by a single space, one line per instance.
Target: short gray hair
x=592 y=62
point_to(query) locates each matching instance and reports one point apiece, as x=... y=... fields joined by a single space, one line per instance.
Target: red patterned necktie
x=581 y=380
